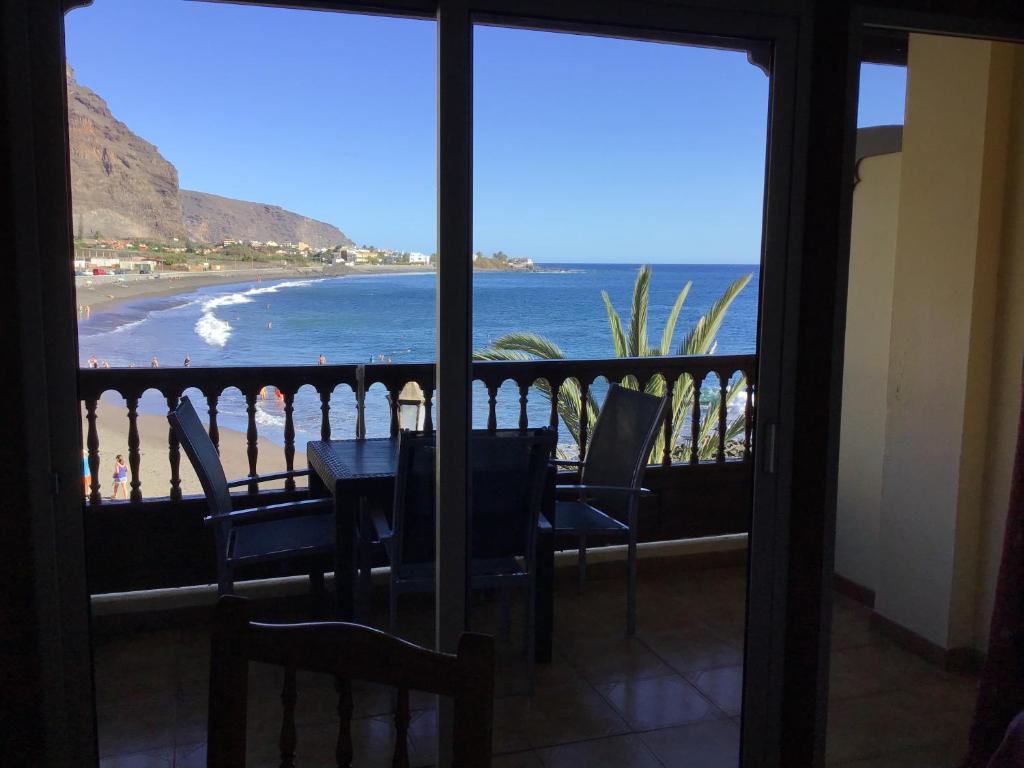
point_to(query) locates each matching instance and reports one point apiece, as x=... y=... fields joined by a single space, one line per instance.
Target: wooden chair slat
x=343 y=750
x=401 y=758
x=288 y=697
x=350 y=652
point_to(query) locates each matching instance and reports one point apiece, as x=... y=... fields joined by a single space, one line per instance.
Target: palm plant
x=633 y=342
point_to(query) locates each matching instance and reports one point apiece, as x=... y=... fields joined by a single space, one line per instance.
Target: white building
x=418 y=258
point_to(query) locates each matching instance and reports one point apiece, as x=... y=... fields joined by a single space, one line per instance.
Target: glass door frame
x=780 y=688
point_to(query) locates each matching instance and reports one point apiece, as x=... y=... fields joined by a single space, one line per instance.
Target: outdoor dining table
x=355 y=470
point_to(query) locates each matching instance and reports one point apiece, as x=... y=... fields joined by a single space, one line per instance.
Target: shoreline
x=104 y=293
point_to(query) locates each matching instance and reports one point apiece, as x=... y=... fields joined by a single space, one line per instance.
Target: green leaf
x=673 y=317
x=638 y=313
x=618 y=339
x=700 y=339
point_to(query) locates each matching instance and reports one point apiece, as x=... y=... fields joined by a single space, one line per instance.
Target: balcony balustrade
x=698 y=492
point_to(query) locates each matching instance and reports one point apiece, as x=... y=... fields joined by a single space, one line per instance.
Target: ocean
x=356 y=319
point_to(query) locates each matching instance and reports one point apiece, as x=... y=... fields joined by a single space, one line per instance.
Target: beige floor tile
x=613 y=752
x=163 y=758
x=563 y=714
x=876 y=668
x=939 y=756
x=137 y=725
x=610 y=660
x=676 y=685
x=693 y=649
x=659 y=702
x=724 y=686
x=872 y=726
x=708 y=744
x=528 y=759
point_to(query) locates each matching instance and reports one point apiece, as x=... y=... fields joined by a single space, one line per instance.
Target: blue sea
x=356 y=319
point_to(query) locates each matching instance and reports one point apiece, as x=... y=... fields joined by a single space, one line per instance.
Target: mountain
x=121 y=186
x=211 y=218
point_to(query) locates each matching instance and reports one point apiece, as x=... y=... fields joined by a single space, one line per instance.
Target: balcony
x=698 y=493
x=672 y=690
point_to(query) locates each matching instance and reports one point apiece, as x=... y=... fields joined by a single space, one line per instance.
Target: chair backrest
x=621 y=443
x=508 y=470
x=202 y=454
x=349 y=652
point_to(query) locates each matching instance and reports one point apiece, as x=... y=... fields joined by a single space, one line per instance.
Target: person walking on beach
x=187 y=361
x=93 y=362
x=153 y=362
x=120 y=477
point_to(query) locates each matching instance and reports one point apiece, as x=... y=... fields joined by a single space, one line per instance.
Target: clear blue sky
x=585 y=149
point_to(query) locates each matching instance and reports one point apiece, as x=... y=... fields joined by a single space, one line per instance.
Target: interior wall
x=866 y=367
x=1005 y=393
x=935 y=332
x=928 y=526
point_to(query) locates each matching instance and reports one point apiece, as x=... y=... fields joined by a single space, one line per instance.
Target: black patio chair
x=296 y=530
x=509 y=468
x=607 y=497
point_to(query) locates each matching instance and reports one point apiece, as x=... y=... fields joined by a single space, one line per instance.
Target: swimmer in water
x=322 y=360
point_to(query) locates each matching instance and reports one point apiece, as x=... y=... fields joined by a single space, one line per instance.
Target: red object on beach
x=98 y=271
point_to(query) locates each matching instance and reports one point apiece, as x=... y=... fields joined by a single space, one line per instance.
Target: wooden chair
x=298 y=530
x=349 y=652
x=607 y=497
x=508 y=472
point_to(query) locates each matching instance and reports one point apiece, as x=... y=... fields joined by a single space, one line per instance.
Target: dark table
x=353 y=470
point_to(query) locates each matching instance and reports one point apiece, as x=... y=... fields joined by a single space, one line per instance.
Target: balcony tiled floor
x=668 y=697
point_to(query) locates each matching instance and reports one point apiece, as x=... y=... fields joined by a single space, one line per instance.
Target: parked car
x=99 y=271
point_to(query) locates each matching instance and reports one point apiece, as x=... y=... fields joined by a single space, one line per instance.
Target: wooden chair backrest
x=349 y=652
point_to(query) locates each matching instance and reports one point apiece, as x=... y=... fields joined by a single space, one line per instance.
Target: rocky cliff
x=211 y=218
x=121 y=186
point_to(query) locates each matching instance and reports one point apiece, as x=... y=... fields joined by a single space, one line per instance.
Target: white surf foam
x=265 y=419
x=213 y=330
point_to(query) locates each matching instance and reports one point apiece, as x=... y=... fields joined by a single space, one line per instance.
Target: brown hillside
x=211 y=218
x=121 y=185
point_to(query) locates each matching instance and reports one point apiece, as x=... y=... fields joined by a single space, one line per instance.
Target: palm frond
x=673 y=317
x=700 y=338
x=528 y=343
x=618 y=338
x=638 y=313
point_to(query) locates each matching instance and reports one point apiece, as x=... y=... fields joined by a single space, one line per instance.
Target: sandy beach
x=104 y=292
x=154 y=464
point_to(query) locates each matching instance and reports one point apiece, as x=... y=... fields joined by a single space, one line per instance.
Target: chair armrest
x=602 y=489
x=274 y=511
x=381 y=526
x=267 y=478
